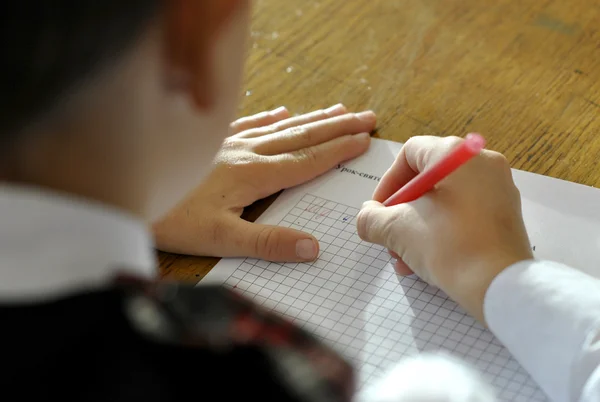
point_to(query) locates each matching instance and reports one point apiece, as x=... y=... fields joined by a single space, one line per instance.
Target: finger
x=416 y=155
x=399 y=265
x=274 y=243
x=374 y=223
x=259 y=120
x=312 y=134
x=394 y=178
x=393 y=254
x=375 y=229
x=386 y=226
x=402 y=269
x=231 y=236
x=336 y=110
x=307 y=163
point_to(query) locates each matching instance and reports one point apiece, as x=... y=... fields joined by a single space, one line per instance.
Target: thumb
x=374 y=223
x=275 y=243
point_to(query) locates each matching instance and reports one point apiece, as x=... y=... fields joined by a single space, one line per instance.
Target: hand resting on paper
x=267 y=152
x=461 y=235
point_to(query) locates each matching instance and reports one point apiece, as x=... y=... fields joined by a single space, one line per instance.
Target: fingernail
x=306 y=249
x=367 y=116
x=279 y=111
x=335 y=108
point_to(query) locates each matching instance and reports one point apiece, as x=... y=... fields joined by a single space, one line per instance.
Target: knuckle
x=362 y=224
x=267 y=243
x=297 y=131
x=321 y=115
x=263 y=119
x=263 y=116
x=422 y=150
x=496 y=156
x=308 y=154
x=422 y=141
x=410 y=146
x=386 y=232
x=254 y=132
x=451 y=141
x=411 y=142
x=374 y=229
x=274 y=127
x=260 y=117
x=497 y=160
x=269 y=129
x=232 y=144
x=351 y=120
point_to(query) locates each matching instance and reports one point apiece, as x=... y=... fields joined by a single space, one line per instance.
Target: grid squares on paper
x=351 y=298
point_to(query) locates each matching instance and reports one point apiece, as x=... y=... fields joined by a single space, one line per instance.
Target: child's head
x=125 y=102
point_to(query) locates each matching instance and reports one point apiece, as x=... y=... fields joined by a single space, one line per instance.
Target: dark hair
x=50 y=46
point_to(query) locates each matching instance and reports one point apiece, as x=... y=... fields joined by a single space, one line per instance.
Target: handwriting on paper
x=319 y=210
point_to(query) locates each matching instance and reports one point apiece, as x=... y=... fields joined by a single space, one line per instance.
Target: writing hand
x=268 y=152
x=458 y=236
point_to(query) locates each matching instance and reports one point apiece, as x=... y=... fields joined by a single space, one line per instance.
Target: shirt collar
x=51 y=244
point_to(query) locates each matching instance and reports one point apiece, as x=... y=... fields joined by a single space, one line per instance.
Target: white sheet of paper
x=352 y=299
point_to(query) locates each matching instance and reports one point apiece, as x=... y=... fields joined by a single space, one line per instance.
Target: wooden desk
x=526 y=73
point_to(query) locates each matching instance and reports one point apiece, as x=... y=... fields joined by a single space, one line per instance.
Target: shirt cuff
x=545 y=313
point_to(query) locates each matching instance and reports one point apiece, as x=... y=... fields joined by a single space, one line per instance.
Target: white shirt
x=551 y=324
x=51 y=245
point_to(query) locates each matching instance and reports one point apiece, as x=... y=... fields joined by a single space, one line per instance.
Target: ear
x=192 y=29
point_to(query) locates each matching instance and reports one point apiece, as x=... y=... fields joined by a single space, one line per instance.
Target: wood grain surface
x=525 y=73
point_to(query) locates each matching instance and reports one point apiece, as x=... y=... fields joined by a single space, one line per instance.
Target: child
x=111 y=112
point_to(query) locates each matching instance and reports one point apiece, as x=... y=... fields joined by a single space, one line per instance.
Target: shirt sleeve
x=548 y=316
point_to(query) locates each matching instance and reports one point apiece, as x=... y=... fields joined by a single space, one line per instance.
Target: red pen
x=426 y=180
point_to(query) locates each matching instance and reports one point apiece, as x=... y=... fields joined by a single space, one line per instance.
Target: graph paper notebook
x=351 y=297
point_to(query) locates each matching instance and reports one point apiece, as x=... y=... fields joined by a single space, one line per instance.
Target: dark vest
x=149 y=342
